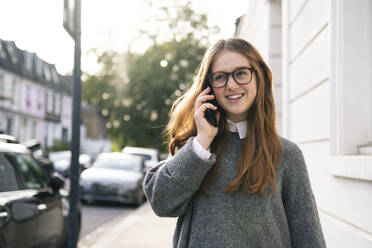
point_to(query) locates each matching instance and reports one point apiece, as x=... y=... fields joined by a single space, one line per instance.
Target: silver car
x=114 y=177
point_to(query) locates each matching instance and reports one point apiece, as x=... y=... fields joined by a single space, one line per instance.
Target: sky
x=36 y=26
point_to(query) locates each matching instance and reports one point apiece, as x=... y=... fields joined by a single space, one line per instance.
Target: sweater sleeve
x=299 y=203
x=170 y=185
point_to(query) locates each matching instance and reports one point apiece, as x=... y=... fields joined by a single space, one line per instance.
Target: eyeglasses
x=242 y=75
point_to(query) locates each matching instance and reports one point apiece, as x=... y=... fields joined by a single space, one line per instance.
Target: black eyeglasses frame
x=232 y=73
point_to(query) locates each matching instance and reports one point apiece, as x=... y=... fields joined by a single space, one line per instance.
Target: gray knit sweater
x=289 y=218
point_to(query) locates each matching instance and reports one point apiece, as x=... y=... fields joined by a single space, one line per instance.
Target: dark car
x=33 y=204
x=40 y=156
x=114 y=177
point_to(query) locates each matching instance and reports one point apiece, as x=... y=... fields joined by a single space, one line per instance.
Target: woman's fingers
x=207 y=105
x=203 y=97
x=200 y=111
x=205 y=131
x=205 y=91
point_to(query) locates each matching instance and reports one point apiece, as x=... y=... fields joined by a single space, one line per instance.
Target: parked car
x=40 y=155
x=62 y=160
x=114 y=177
x=33 y=204
x=8 y=139
x=150 y=155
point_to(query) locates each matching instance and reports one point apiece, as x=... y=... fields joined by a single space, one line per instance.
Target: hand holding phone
x=206 y=121
x=210 y=114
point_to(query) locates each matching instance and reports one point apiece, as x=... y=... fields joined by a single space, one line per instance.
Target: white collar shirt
x=239 y=127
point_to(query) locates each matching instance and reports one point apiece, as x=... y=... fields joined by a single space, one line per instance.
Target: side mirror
x=57 y=181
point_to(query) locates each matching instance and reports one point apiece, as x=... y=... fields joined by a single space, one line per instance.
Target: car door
x=50 y=219
x=18 y=208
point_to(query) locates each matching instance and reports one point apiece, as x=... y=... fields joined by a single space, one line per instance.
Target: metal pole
x=75 y=146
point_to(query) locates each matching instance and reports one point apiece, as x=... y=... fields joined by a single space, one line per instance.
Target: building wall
x=10 y=106
x=33 y=100
x=66 y=114
x=342 y=183
x=261 y=26
x=32 y=111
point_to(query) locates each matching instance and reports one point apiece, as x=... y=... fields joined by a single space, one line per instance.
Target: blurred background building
x=36 y=103
x=320 y=53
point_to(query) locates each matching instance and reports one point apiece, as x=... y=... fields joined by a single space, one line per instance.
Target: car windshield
x=119 y=163
x=60 y=156
x=144 y=156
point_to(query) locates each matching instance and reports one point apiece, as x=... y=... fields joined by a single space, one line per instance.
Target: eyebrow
x=236 y=68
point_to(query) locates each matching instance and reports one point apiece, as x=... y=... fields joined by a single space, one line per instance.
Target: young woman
x=238 y=184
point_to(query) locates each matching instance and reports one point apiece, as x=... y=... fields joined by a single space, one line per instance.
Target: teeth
x=234 y=97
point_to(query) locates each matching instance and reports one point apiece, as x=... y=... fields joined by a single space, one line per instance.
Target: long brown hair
x=261 y=150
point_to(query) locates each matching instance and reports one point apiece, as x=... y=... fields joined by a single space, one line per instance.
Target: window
x=28 y=96
x=49 y=101
x=57 y=109
x=47 y=73
x=9 y=125
x=39 y=103
x=1 y=83
x=33 y=175
x=64 y=134
x=12 y=90
x=351 y=76
x=34 y=129
x=24 y=129
x=54 y=104
x=2 y=50
x=351 y=89
x=8 y=178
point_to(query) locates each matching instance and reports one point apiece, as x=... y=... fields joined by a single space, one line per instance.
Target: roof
x=13 y=148
x=142 y=150
x=118 y=155
x=30 y=66
x=8 y=139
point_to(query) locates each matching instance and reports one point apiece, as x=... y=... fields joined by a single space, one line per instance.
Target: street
x=98 y=213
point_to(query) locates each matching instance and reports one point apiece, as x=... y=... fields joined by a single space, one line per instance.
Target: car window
x=144 y=156
x=118 y=163
x=32 y=173
x=60 y=156
x=8 y=178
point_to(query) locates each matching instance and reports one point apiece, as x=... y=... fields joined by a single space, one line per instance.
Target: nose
x=231 y=84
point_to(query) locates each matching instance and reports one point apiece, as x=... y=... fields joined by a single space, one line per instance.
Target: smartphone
x=210 y=114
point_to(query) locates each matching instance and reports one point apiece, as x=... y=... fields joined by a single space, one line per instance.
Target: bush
x=60 y=145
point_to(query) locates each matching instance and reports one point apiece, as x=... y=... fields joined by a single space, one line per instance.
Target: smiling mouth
x=235 y=97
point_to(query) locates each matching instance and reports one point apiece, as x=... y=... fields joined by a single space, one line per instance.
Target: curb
x=126 y=220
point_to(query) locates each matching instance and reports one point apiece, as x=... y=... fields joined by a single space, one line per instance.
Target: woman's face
x=235 y=99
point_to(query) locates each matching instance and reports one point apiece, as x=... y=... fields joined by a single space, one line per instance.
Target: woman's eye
x=241 y=73
x=220 y=77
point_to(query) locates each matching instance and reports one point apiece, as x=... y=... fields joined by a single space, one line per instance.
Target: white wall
x=343 y=203
x=342 y=185
x=261 y=26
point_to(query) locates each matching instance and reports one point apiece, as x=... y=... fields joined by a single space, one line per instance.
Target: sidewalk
x=140 y=229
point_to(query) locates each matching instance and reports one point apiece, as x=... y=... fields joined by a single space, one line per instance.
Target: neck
x=236 y=120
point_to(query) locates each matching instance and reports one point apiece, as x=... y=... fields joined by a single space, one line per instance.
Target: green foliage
x=136 y=91
x=60 y=145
